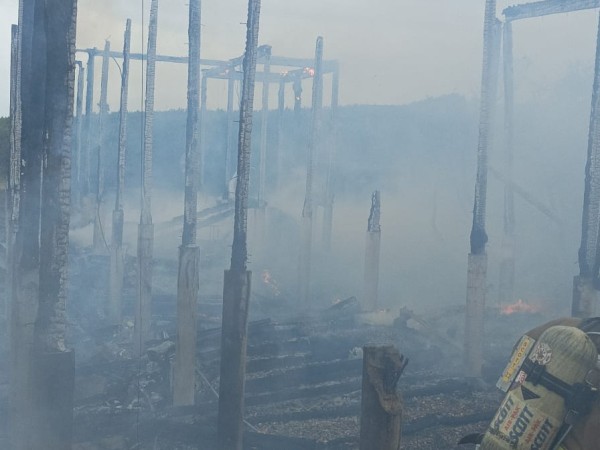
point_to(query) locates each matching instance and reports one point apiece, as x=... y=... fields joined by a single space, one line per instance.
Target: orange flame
x=519 y=307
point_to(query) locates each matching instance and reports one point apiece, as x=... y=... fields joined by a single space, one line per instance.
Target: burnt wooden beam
x=189 y=253
x=585 y=295
x=99 y=240
x=477 y=258
x=145 y=247
x=328 y=65
x=13 y=169
x=54 y=364
x=159 y=58
x=278 y=143
x=331 y=157
x=547 y=7
x=89 y=126
x=304 y=271
x=236 y=286
x=115 y=281
x=78 y=132
x=25 y=280
x=381 y=405
x=507 y=264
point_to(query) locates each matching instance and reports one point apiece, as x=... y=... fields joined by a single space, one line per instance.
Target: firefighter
x=542 y=408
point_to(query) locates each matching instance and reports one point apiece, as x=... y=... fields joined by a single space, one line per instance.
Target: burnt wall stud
x=189 y=252
x=477 y=260
x=54 y=364
x=585 y=294
x=304 y=272
x=507 y=263
x=115 y=282
x=99 y=239
x=31 y=87
x=143 y=314
x=381 y=405
x=236 y=288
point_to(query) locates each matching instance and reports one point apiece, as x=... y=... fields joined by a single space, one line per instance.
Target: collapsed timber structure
x=266 y=359
x=585 y=294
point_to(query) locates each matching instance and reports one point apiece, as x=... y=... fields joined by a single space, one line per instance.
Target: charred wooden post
x=278 y=149
x=585 y=295
x=99 y=238
x=88 y=125
x=230 y=136
x=381 y=405
x=76 y=185
x=477 y=262
x=307 y=210
x=14 y=167
x=542 y=8
x=115 y=281
x=30 y=108
x=53 y=50
x=372 y=251
x=331 y=153
x=189 y=252
x=507 y=264
x=236 y=289
x=146 y=228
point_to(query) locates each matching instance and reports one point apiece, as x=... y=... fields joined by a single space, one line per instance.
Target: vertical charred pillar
x=236 y=289
x=278 y=149
x=146 y=228
x=372 y=250
x=307 y=210
x=54 y=364
x=507 y=264
x=115 y=281
x=585 y=295
x=76 y=185
x=99 y=238
x=381 y=405
x=230 y=135
x=477 y=262
x=88 y=125
x=331 y=153
x=29 y=122
x=14 y=169
x=189 y=253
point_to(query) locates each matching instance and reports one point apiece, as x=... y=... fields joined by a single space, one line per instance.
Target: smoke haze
x=390 y=52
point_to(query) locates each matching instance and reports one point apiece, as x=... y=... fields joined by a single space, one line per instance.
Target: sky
x=390 y=51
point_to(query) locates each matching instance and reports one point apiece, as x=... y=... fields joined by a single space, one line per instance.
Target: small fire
x=519 y=307
x=269 y=281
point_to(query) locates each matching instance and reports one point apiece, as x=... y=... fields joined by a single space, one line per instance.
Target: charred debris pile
x=303 y=372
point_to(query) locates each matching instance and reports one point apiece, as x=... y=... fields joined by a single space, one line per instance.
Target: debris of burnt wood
x=303 y=386
x=303 y=374
x=381 y=404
